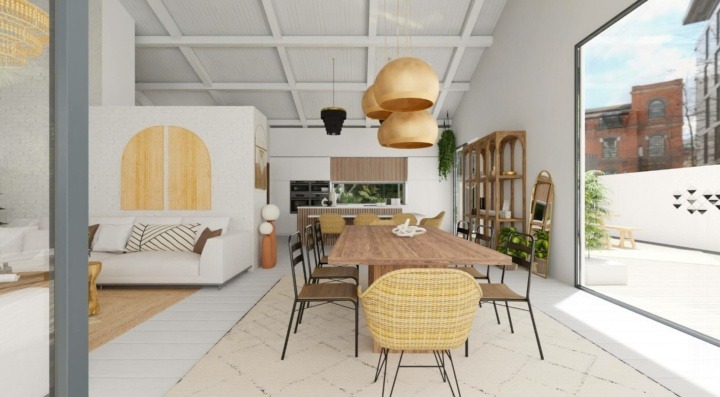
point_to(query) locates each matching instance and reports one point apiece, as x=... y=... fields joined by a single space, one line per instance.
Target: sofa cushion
x=36 y=241
x=92 y=230
x=204 y=236
x=109 y=220
x=162 y=237
x=151 y=264
x=112 y=238
x=212 y=222
x=11 y=239
x=160 y=220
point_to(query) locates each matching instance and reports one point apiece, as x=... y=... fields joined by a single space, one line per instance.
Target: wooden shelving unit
x=486 y=184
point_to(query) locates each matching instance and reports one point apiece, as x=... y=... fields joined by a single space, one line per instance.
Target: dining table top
x=377 y=245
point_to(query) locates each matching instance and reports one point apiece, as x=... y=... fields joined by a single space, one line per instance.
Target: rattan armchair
x=365 y=219
x=307 y=293
x=420 y=309
x=320 y=272
x=435 y=221
x=522 y=255
x=401 y=218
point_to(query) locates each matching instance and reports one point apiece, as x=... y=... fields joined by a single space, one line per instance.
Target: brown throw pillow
x=204 y=236
x=91 y=234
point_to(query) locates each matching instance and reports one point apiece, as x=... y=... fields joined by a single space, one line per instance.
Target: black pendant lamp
x=333 y=116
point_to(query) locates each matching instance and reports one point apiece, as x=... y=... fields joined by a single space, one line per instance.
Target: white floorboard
x=152 y=357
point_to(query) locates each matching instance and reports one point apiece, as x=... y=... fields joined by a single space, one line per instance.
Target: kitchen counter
x=308 y=215
x=364 y=206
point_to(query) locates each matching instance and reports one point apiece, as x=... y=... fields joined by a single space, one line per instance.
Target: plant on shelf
x=446 y=153
x=596 y=202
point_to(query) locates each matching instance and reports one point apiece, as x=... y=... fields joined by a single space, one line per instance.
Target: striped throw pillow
x=147 y=237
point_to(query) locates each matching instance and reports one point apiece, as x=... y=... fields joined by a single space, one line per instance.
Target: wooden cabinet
x=493 y=174
x=368 y=169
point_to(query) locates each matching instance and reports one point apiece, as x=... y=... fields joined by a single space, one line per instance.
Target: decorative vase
x=268 y=257
x=332 y=196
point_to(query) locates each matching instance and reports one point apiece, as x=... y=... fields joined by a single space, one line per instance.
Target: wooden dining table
x=382 y=252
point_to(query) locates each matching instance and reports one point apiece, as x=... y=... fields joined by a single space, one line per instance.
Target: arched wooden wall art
x=190 y=175
x=142 y=173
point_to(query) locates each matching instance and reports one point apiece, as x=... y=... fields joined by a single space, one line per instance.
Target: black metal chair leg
x=512 y=330
x=402 y=352
x=385 y=373
x=299 y=317
x=452 y=366
x=537 y=337
x=497 y=316
x=440 y=366
x=287 y=336
x=302 y=311
x=356 y=329
x=380 y=364
x=467 y=346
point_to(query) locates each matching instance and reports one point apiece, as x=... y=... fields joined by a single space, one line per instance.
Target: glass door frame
x=458 y=191
x=580 y=188
x=69 y=197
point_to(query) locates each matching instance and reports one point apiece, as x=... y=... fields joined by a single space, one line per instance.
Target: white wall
x=304 y=154
x=525 y=81
x=645 y=200
x=228 y=133
x=25 y=147
x=112 y=54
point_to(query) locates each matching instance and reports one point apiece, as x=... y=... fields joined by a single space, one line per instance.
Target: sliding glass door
x=648 y=151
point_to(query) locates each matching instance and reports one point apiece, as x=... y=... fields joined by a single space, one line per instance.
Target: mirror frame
x=543 y=178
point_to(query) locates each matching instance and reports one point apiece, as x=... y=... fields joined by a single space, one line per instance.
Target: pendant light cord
x=333 y=85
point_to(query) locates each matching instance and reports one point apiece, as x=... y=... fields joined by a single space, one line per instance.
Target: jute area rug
x=320 y=359
x=121 y=309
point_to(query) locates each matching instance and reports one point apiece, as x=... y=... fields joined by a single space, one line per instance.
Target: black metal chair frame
x=297 y=256
x=517 y=251
x=439 y=364
x=319 y=242
x=311 y=244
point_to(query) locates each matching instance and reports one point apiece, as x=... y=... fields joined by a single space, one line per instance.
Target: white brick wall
x=24 y=148
x=228 y=133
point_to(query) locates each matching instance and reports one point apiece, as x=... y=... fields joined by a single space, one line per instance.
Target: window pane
x=656 y=146
x=354 y=193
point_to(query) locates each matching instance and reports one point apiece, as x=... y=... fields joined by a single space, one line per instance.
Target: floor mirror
x=540 y=221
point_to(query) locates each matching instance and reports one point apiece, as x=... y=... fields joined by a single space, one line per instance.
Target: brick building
x=643 y=135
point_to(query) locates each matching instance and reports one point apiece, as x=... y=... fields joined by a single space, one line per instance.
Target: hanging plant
x=446 y=153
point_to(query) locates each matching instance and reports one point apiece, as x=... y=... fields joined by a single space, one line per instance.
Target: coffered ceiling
x=277 y=54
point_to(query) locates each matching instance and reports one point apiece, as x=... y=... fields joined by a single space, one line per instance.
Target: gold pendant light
x=371 y=108
x=406 y=85
x=409 y=130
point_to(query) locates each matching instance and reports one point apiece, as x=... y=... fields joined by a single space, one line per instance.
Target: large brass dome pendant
x=406 y=85
x=408 y=130
x=370 y=106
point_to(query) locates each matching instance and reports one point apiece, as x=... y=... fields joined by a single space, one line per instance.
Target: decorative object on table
x=487 y=189
x=94 y=269
x=261 y=161
x=405 y=230
x=332 y=196
x=596 y=210
x=325 y=202
x=333 y=116
x=270 y=214
x=540 y=220
x=446 y=153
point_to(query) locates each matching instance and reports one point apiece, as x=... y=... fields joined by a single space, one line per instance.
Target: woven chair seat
x=472 y=271
x=336 y=272
x=499 y=292
x=328 y=292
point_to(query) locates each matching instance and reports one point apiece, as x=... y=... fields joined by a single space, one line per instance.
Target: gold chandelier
x=24 y=31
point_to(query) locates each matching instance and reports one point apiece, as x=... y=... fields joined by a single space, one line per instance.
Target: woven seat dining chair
x=401 y=218
x=365 y=219
x=523 y=255
x=308 y=293
x=320 y=272
x=331 y=224
x=420 y=310
x=435 y=221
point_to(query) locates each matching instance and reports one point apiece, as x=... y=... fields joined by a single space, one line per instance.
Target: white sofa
x=223 y=257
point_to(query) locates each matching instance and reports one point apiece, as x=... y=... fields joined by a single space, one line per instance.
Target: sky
x=647 y=46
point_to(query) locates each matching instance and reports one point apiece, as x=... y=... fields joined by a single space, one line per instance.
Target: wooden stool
x=94 y=269
x=625 y=234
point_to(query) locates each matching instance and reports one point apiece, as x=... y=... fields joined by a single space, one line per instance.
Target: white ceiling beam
x=307 y=41
x=339 y=87
x=169 y=23
x=284 y=60
x=372 y=33
x=142 y=99
x=467 y=29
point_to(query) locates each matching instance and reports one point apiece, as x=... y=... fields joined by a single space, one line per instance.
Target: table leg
x=621 y=244
x=631 y=238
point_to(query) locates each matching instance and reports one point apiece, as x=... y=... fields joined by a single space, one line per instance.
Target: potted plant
x=542 y=247
x=596 y=202
x=446 y=153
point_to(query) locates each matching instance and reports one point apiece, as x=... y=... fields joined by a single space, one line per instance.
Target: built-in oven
x=299 y=186
x=307 y=193
x=295 y=203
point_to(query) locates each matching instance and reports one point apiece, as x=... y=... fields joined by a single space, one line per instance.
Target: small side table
x=94 y=269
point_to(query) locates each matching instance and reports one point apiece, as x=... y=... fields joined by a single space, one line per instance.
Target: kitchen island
x=348 y=211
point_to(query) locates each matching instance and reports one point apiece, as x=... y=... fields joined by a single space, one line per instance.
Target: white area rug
x=320 y=359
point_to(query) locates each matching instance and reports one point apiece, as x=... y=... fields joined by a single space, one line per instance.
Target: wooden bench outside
x=625 y=233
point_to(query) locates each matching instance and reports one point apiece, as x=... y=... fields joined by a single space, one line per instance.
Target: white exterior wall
x=304 y=154
x=525 y=81
x=645 y=200
x=228 y=133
